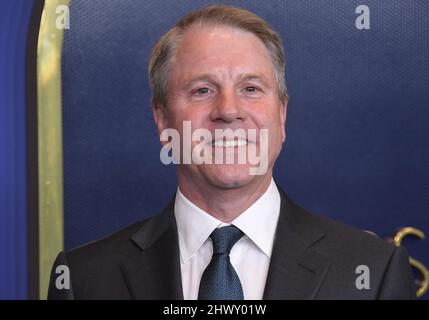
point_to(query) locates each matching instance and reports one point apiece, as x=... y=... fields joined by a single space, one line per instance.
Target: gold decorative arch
x=50 y=157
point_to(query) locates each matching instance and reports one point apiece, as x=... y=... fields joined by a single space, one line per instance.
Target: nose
x=227 y=108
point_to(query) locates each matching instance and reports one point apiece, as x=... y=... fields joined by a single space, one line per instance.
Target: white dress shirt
x=250 y=256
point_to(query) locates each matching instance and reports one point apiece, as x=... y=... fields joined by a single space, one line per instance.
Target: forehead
x=220 y=49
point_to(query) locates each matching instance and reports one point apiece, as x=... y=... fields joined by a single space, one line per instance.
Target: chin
x=229 y=176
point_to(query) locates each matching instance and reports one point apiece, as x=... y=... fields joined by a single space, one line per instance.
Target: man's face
x=220 y=78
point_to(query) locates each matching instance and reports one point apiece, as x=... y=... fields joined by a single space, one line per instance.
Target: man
x=230 y=233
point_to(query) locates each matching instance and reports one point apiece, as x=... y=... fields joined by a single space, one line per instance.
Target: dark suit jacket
x=313 y=258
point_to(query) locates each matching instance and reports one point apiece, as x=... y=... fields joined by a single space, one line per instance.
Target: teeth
x=230 y=143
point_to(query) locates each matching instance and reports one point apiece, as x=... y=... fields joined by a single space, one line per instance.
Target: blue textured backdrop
x=14 y=21
x=356 y=148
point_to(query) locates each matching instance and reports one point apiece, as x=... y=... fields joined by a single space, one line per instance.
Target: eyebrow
x=204 y=77
x=254 y=76
x=241 y=77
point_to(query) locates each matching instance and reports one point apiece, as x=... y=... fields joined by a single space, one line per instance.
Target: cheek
x=266 y=115
x=198 y=115
x=186 y=120
x=275 y=125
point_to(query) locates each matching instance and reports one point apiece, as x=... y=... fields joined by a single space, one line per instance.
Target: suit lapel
x=154 y=270
x=296 y=269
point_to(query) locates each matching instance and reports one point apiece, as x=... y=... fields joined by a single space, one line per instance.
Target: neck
x=221 y=203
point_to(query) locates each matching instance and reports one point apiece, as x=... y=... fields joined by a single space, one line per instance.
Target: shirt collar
x=258 y=222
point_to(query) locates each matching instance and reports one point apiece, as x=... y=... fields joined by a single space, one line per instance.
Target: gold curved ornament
x=397 y=239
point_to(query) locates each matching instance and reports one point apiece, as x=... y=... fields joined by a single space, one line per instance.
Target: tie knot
x=224 y=238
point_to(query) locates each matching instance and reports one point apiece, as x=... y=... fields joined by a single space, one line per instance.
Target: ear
x=160 y=117
x=283 y=113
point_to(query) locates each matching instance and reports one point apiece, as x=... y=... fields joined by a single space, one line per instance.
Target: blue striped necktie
x=219 y=280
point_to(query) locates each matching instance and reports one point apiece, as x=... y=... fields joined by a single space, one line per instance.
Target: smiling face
x=222 y=77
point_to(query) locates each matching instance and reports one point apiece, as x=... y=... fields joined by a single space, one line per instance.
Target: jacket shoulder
x=341 y=237
x=349 y=251
x=95 y=267
x=111 y=247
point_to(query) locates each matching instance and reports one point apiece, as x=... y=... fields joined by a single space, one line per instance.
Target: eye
x=251 y=89
x=202 y=91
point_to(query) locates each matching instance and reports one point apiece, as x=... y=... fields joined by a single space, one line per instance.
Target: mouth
x=229 y=143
